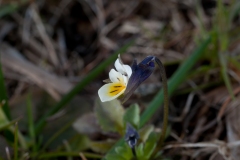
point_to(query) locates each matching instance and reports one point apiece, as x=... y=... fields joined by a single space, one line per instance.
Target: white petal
x=122 y=68
x=104 y=95
x=119 y=66
x=128 y=69
x=115 y=76
x=125 y=78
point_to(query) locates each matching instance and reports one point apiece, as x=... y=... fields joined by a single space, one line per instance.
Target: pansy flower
x=118 y=81
x=126 y=79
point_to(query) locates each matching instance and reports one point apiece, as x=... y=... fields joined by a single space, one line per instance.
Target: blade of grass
x=31 y=123
x=226 y=78
x=5 y=112
x=68 y=149
x=3 y=118
x=3 y=96
x=5 y=124
x=21 y=138
x=16 y=142
x=222 y=28
x=178 y=77
x=93 y=74
x=18 y=138
x=56 y=135
x=200 y=18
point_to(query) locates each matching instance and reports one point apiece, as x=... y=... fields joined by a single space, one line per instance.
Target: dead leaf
x=53 y=84
x=233 y=130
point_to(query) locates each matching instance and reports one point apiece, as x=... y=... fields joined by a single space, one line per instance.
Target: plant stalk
x=165 y=107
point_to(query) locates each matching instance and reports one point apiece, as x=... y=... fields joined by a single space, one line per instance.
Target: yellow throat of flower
x=116 y=88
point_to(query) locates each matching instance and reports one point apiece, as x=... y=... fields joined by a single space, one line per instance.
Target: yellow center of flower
x=116 y=88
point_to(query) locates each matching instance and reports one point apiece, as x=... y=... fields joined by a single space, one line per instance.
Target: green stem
x=16 y=142
x=20 y=137
x=165 y=107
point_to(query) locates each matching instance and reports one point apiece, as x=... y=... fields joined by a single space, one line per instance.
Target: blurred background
x=56 y=53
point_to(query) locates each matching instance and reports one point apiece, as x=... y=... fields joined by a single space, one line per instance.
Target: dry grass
x=52 y=45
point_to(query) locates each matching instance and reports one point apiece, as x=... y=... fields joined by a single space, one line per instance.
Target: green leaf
x=139 y=151
x=150 y=145
x=109 y=115
x=132 y=115
x=145 y=132
x=3 y=119
x=125 y=152
x=114 y=156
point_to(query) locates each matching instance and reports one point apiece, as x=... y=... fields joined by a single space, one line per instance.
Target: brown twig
x=225 y=104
